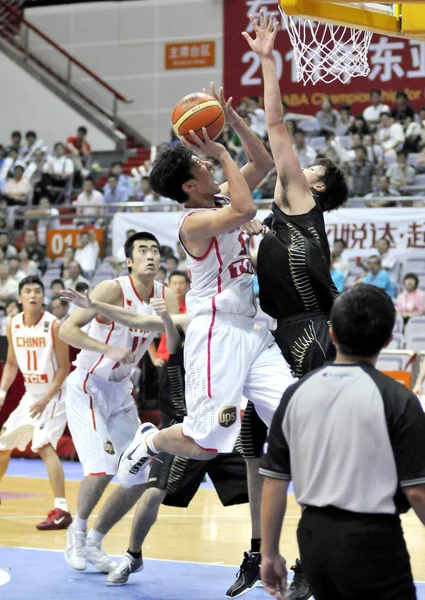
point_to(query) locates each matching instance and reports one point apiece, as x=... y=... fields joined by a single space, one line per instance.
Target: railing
x=44 y=53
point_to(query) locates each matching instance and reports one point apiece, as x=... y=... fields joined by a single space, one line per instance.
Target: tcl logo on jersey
x=240 y=267
x=36 y=378
x=227 y=416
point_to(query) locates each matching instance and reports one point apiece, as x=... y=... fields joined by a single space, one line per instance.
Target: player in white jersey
x=226 y=355
x=102 y=415
x=35 y=349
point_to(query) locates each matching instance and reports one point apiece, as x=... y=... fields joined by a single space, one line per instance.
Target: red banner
x=395 y=65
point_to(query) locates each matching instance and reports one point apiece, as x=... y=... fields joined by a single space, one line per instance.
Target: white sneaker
x=136 y=458
x=75 y=551
x=121 y=572
x=97 y=556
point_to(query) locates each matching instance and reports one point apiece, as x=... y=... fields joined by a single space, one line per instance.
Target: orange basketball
x=196 y=111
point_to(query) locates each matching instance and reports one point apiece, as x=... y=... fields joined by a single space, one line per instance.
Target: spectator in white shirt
x=14 y=270
x=390 y=135
x=382 y=190
x=306 y=154
x=87 y=254
x=373 y=112
x=375 y=153
x=328 y=116
x=18 y=188
x=43 y=223
x=339 y=261
x=387 y=256
x=28 y=266
x=60 y=308
x=345 y=120
x=11 y=310
x=400 y=173
x=75 y=275
x=8 y=286
x=89 y=203
x=59 y=167
x=7 y=248
x=258 y=117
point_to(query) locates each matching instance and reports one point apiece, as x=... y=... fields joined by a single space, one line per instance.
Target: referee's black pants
x=352 y=556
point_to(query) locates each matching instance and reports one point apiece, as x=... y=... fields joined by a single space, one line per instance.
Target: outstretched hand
x=80 y=300
x=206 y=146
x=230 y=114
x=265 y=35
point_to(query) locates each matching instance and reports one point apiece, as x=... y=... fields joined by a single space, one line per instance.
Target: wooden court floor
x=205 y=532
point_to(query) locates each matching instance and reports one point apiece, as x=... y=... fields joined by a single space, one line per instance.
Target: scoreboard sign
x=59 y=239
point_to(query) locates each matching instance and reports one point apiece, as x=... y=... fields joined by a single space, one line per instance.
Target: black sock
x=255 y=544
x=134 y=554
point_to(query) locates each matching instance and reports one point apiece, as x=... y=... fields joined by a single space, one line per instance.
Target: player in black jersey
x=293 y=259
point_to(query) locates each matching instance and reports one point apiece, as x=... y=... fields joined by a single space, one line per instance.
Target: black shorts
x=305 y=342
x=181 y=478
x=354 y=556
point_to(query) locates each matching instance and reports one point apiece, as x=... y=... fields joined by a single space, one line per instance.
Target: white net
x=326 y=52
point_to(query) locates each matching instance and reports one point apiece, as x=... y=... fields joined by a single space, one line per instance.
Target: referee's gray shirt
x=349 y=437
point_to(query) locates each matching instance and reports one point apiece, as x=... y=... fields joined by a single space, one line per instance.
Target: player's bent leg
x=148 y=442
x=144 y=517
x=4 y=462
x=59 y=517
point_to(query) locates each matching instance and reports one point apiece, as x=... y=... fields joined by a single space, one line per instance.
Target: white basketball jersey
x=222 y=279
x=35 y=352
x=119 y=336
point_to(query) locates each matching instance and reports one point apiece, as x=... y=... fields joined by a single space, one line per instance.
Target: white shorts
x=20 y=428
x=102 y=419
x=227 y=357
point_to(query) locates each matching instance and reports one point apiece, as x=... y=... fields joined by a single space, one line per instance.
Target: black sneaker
x=248 y=576
x=298 y=588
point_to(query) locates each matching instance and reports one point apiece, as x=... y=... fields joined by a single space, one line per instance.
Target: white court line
x=186 y=562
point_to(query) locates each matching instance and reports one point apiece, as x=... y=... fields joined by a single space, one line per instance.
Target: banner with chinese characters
x=190 y=55
x=359 y=228
x=395 y=65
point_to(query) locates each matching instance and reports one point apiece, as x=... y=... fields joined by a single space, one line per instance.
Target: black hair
x=116 y=162
x=336 y=188
x=113 y=175
x=55 y=281
x=140 y=235
x=412 y=276
x=386 y=113
x=171 y=169
x=16 y=133
x=163 y=269
x=361 y=147
x=82 y=129
x=32 y=133
x=341 y=241
x=298 y=130
x=64 y=303
x=375 y=257
x=401 y=95
x=58 y=144
x=179 y=274
x=31 y=279
x=376 y=92
x=362 y=320
x=402 y=153
x=345 y=107
x=364 y=130
x=81 y=287
x=172 y=258
x=89 y=178
x=11 y=302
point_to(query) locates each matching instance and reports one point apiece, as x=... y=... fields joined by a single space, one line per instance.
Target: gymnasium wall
x=124 y=43
x=27 y=104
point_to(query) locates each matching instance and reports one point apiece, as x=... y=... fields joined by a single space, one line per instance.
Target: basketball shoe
x=248 y=576
x=80 y=550
x=298 y=588
x=121 y=571
x=56 y=519
x=136 y=458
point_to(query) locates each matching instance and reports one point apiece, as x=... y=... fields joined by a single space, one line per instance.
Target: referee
x=352 y=441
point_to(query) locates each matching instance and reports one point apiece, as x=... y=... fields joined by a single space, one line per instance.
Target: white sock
x=80 y=524
x=94 y=536
x=61 y=503
x=150 y=444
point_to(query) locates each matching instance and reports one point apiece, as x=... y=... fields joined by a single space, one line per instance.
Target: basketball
x=196 y=111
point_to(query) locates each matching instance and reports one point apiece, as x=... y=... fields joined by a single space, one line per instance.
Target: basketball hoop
x=327 y=52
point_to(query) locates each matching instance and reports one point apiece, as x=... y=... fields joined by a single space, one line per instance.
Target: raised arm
x=259 y=160
x=70 y=331
x=201 y=226
x=292 y=191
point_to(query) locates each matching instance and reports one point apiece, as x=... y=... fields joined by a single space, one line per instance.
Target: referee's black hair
x=363 y=320
x=31 y=279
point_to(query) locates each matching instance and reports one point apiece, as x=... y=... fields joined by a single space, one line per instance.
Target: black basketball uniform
x=296 y=289
x=181 y=477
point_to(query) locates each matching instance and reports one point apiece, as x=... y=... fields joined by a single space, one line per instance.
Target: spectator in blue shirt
x=112 y=193
x=125 y=182
x=378 y=276
x=338 y=277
